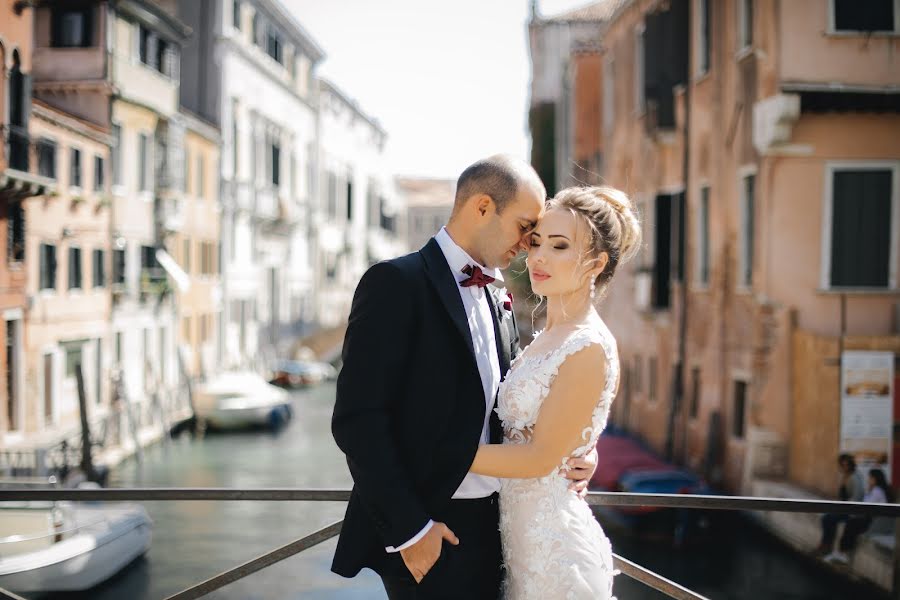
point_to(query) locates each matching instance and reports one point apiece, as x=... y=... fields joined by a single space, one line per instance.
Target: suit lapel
x=501 y=334
x=438 y=272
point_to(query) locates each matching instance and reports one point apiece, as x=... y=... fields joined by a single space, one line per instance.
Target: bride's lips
x=539 y=276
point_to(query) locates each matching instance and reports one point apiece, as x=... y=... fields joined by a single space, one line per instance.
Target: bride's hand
x=580 y=471
x=421 y=556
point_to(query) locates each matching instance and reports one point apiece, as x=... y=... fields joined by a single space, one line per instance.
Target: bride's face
x=558 y=258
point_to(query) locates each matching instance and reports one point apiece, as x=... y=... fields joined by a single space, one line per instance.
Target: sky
x=448 y=80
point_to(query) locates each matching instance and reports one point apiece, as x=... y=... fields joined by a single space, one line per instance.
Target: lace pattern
x=553 y=546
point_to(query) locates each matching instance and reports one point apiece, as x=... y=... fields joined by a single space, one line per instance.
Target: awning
x=182 y=279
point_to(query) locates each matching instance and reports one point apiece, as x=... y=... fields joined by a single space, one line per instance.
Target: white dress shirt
x=481 y=324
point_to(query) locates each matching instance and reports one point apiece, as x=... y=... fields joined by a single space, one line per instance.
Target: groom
x=427 y=345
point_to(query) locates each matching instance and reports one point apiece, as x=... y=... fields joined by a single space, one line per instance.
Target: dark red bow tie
x=476 y=277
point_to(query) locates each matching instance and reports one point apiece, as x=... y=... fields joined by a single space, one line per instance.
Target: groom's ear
x=483 y=203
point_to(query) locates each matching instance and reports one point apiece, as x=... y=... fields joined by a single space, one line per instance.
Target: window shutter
x=861 y=228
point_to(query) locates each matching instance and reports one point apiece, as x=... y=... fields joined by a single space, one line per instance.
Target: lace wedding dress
x=553 y=548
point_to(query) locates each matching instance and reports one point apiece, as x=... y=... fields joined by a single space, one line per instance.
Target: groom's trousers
x=471 y=570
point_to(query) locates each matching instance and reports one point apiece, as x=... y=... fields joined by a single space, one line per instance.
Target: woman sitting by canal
x=878 y=491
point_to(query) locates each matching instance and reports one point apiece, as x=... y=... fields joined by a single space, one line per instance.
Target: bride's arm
x=564 y=414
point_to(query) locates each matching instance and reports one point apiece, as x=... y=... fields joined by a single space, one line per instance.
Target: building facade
x=18 y=183
x=251 y=73
x=356 y=219
x=758 y=140
x=428 y=203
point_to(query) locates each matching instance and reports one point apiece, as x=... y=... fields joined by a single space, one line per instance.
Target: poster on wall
x=867 y=408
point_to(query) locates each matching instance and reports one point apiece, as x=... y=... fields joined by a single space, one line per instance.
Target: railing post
x=896 y=590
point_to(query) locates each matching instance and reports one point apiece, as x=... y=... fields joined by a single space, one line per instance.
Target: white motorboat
x=62 y=547
x=241 y=399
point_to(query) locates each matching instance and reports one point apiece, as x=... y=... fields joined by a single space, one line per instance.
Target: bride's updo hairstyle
x=613 y=222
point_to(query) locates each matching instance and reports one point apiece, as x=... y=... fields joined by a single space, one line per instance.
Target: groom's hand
x=580 y=471
x=421 y=556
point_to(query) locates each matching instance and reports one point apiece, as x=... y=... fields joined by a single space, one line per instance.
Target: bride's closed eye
x=559 y=246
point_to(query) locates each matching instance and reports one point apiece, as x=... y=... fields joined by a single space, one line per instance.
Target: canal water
x=193 y=541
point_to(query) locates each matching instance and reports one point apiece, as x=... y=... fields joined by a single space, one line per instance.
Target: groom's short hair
x=497 y=176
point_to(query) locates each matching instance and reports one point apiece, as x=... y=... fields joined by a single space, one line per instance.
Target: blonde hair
x=612 y=219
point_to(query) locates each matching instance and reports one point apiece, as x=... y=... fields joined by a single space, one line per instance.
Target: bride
x=555 y=401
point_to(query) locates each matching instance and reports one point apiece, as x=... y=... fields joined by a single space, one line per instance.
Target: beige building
x=429 y=203
x=148 y=179
x=67 y=322
x=194 y=243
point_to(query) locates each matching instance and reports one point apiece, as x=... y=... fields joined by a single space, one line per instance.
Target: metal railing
x=626 y=567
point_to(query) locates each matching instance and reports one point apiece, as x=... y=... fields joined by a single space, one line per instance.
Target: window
x=15 y=251
x=651 y=378
x=74 y=359
x=99 y=174
x=118 y=267
x=639 y=100
x=862 y=203
x=48 y=267
x=868 y=16
x=258 y=31
x=98 y=267
x=143 y=162
x=71 y=28
x=118 y=347
x=46 y=154
x=187 y=255
x=703 y=249
x=117 y=154
x=49 y=391
x=331 y=205
x=638 y=374
x=275 y=166
x=740 y=405
x=149 y=265
x=186 y=329
x=745 y=24
x=748 y=229
x=703 y=38
x=349 y=197
x=609 y=95
x=273 y=44
x=74 y=268
x=695 y=392
x=200 y=175
x=11 y=371
x=75 y=169
x=235 y=148
x=236 y=14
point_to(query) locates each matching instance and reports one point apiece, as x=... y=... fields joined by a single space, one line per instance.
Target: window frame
x=76 y=168
x=833 y=30
x=702 y=33
x=48 y=143
x=75 y=277
x=828 y=215
x=743 y=174
x=87 y=26
x=704 y=245
x=745 y=26
x=51 y=273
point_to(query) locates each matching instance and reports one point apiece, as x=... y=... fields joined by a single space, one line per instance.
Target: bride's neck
x=568 y=309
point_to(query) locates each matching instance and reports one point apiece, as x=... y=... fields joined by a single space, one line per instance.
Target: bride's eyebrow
x=559 y=235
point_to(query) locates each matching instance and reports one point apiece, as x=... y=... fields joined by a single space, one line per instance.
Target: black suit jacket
x=410 y=403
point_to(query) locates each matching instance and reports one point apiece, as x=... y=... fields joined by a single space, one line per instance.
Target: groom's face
x=508 y=232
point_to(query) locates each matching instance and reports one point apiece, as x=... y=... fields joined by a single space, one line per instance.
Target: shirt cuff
x=418 y=537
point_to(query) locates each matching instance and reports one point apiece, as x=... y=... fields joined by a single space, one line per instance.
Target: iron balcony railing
x=635 y=571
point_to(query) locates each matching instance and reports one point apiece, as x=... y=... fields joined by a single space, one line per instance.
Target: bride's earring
x=593 y=287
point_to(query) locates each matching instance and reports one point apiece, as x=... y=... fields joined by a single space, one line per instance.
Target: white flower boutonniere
x=505 y=302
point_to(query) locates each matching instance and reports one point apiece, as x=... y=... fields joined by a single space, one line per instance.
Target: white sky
x=447 y=79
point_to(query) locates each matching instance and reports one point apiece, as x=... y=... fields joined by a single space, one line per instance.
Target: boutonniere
x=505 y=299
